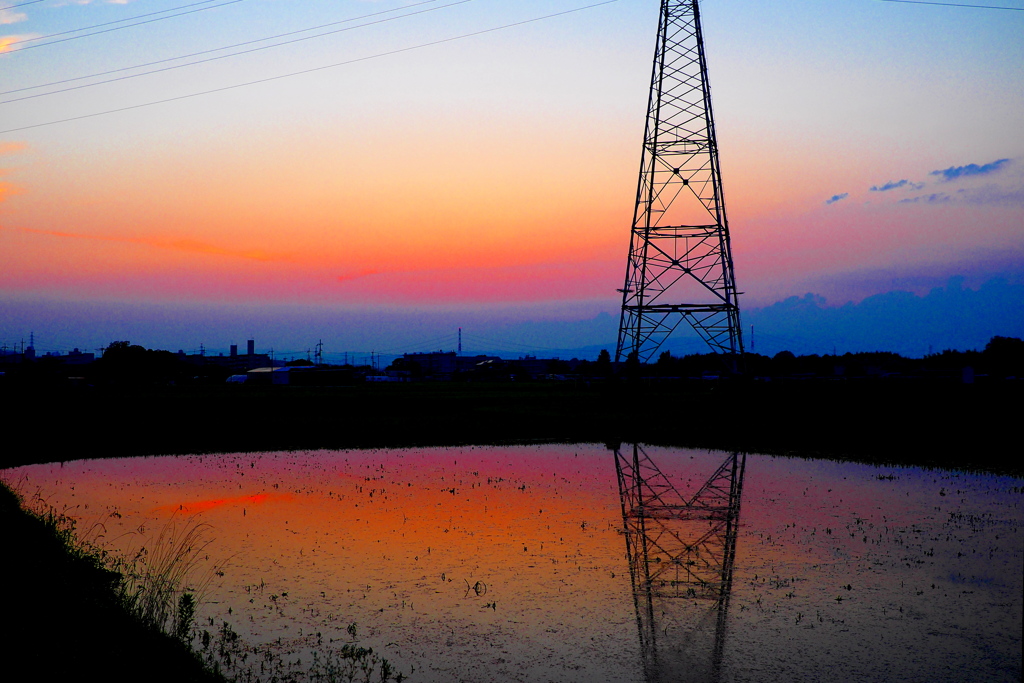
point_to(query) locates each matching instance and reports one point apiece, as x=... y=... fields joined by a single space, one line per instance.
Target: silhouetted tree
x=632 y=367
x=124 y=363
x=665 y=365
x=1004 y=356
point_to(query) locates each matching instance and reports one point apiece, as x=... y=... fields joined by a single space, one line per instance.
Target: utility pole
x=680 y=261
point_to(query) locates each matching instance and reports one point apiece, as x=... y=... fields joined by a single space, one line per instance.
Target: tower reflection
x=681 y=553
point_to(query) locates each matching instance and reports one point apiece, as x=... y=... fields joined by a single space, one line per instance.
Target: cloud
x=891 y=185
x=7 y=189
x=934 y=198
x=947 y=317
x=7 y=41
x=188 y=245
x=954 y=172
x=987 y=195
x=9 y=17
x=12 y=147
x=993 y=194
x=837 y=197
x=896 y=184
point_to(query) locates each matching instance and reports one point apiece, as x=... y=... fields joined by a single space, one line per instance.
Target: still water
x=580 y=563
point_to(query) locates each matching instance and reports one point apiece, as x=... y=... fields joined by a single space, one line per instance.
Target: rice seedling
x=240 y=662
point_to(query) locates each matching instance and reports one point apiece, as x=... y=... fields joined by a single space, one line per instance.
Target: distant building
x=299 y=375
x=442 y=364
x=233 y=362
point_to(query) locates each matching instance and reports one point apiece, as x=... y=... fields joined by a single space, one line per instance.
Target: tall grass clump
x=161 y=583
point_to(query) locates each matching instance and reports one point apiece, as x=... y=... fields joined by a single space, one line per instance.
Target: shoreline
x=953 y=426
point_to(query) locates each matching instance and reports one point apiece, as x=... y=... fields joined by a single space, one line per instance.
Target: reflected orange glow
x=196 y=507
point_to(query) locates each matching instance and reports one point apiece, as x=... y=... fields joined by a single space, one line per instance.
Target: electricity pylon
x=681 y=552
x=680 y=262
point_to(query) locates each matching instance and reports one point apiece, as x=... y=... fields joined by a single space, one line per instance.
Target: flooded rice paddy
x=550 y=563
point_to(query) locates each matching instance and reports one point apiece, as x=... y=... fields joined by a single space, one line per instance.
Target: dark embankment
x=63 y=620
x=942 y=424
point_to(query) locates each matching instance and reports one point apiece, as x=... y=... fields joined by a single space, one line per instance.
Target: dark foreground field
x=60 y=608
x=931 y=424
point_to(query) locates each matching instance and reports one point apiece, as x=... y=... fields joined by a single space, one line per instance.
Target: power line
x=116 y=28
x=311 y=70
x=106 y=23
x=427 y=344
x=216 y=49
x=952 y=4
x=21 y=4
x=495 y=344
x=236 y=54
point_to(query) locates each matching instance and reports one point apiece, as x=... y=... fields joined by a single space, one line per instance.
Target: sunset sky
x=866 y=146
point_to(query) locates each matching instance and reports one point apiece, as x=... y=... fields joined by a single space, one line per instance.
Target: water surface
x=511 y=563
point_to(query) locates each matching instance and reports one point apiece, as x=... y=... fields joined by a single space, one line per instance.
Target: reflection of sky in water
x=509 y=563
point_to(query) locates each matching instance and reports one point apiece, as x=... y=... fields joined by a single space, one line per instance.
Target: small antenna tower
x=460 y=341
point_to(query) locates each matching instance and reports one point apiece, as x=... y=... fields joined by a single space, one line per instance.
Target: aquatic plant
x=237 y=661
x=185 y=616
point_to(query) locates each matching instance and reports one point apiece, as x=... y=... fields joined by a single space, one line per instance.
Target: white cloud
x=9 y=17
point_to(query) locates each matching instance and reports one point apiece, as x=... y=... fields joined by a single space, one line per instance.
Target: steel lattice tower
x=680 y=262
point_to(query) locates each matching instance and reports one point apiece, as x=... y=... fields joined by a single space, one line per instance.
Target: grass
x=67 y=615
x=160 y=583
